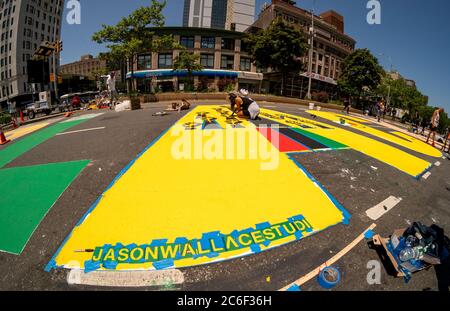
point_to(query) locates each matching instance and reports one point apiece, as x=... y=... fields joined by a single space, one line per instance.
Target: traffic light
x=58 y=46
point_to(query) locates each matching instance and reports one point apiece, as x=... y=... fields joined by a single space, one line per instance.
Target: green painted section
x=27 y=194
x=323 y=140
x=27 y=143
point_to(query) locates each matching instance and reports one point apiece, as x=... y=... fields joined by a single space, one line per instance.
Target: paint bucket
x=311 y=106
x=319 y=108
x=329 y=277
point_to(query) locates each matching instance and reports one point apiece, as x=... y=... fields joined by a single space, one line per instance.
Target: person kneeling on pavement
x=243 y=105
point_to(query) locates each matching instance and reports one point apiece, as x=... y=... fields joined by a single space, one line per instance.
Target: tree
x=279 y=47
x=190 y=62
x=361 y=74
x=401 y=94
x=131 y=36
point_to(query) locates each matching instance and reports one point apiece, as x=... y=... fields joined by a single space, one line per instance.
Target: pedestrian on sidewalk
x=380 y=109
x=447 y=140
x=347 y=104
x=111 y=84
x=434 y=125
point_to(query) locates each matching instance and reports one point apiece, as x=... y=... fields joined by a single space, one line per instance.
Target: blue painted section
x=369 y=234
x=418 y=177
x=160 y=242
x=163 y=264
x=294 y=288
x=182 y=73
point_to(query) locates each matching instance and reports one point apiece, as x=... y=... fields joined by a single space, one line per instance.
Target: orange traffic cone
x=3 y=139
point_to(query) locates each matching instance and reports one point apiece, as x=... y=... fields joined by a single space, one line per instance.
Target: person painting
x=243 y=105
x=111 y=84
x=434 y=125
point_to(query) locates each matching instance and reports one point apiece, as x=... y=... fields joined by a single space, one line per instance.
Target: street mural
x=395 y=137
x=397 y=158
x=194 y=197
x=179 y=206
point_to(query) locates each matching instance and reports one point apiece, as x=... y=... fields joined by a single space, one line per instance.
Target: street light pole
x=55 y=73
x=388 y=102
x=311 y=52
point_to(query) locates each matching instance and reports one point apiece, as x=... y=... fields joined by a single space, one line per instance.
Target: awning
x=183 y=73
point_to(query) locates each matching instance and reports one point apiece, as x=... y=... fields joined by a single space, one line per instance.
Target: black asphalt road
x=349 y=176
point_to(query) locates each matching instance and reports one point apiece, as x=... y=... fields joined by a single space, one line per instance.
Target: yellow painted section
x=401 y=160
x=22 y=131
x=162 y=197
x=412 y=143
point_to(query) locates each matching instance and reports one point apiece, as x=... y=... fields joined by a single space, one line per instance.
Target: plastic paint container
x=329 y=277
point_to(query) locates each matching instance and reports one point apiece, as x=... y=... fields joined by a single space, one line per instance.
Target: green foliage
x=187 y=61
x=322 y=97
x=279 y=47
x=361 y=74
x=5 y=118
x=131 y=36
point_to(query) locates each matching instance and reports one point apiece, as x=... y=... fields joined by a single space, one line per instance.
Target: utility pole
x=311 y=52
x=55 y=54
x=388 y=101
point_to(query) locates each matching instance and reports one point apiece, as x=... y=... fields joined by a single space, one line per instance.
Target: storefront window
x=165 y=60
x=227 y=44
x=207 y=60
x=245 y=64
x=187 y=42
x=227 y=62
x=144 y=62
x=208 y=42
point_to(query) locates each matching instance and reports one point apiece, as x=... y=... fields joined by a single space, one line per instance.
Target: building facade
x=225 y=62
x=87 y=66
x=25 y=25
x=235 y=15
x=331 y=47
x=397 y=76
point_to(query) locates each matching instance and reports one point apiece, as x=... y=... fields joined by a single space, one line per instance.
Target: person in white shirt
x=435 y=124
x=111 y=84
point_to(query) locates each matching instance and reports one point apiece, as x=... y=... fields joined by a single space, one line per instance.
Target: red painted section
x=285 y=144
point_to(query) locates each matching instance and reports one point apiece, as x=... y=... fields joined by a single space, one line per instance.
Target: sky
x=413 y=37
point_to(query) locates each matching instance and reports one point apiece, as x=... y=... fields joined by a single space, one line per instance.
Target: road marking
x=83 y=117
x=270 y=106
x=379 y=210
x=426 y=175
x=437 y=163
x=126 y=278
x=330 y=262
x=80 y=131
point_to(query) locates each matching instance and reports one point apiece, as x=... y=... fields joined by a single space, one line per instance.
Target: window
x=187 y=42
x=208 y=42
x=227 y=44
x=227 y=62
x=144 y=62
x=245 y=64
x=207 y=60
x=165 y=60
